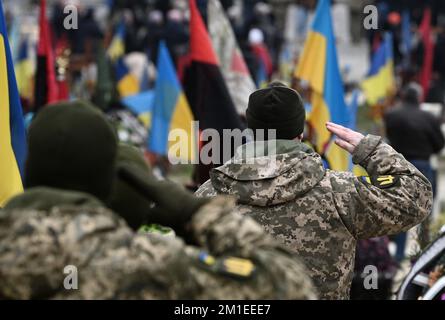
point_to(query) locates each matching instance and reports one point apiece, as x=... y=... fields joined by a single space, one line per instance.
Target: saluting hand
x=346 y=138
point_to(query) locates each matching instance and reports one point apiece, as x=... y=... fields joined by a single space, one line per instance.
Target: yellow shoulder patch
x=232 y=266
x=382 y=182
x=238 y=267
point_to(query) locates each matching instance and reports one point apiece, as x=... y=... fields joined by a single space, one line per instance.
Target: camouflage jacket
x=318 y=213
x=45 y=230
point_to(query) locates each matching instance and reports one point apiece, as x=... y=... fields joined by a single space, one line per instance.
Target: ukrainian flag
x=127 y=83
x=117 y=45
x=12 y=131
x=171 y=111
x=318 y=65
x=380 y=82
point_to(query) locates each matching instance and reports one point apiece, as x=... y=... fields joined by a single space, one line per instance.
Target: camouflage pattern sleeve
x=394 y=198
x=222 y=232
x=114 y=263
x=206 y=190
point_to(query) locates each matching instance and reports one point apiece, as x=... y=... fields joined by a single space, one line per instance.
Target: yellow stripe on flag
x=128 y=85
x=24 y=76
x=380 y=85
x=182 y=119
x=337 y=157
x=317 y=119
x=10 y=180
x=311 y=65
x=145 y=118
x=116 y=48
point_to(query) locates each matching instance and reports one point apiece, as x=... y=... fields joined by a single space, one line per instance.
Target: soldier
x=319 y=214
x=60 y=224
x=124 y=200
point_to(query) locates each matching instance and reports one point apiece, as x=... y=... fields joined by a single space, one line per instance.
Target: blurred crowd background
x=123 y=36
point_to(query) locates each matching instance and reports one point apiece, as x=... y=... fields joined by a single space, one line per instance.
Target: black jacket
x=413 y=132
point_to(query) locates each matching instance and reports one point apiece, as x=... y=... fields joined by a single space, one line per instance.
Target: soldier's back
x=41 y=247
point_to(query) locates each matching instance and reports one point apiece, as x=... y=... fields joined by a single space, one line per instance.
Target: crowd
x=286 y=227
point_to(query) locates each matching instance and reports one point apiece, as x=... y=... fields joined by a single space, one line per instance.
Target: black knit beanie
x=277 y=107
x=73 y=147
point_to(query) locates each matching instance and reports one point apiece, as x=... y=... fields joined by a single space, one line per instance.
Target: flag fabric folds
x=140 y=103
x=380 y=82
x=205 y=87
x=170 y=112
x=233 y=66
x=117 y=45
x=46 y=87
x=318 y=65
x=426 y=72
x=127 y=83
x=12 y=131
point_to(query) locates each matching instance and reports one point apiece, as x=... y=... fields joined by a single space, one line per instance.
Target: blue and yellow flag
x=117 y=45
x=127 y=83
x=12 y=130
x=380 y=83
x=141 y=104
x=24 y=71
x=318 y=65
x=171 y=113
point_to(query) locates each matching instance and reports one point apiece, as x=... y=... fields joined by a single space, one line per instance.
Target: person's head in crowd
x=256 y=36
x=262 y=9
x=394 y=18
x=278 y=108
x=412 y=93
x=124 y=199
x=155 y=17
x=174 y=15
x=72 y=146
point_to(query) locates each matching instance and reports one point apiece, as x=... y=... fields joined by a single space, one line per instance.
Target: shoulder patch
x=382 y=182
x=231 y=266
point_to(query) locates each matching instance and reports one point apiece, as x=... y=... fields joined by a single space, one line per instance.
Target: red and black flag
x=205 y=88
x=46 y=88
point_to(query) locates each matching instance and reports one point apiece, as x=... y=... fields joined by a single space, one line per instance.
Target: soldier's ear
x=299 y=138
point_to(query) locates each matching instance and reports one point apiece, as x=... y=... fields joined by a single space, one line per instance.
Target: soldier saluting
x=320 y=214
x=61 y=220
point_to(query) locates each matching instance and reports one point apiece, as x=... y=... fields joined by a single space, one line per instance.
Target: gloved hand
x=173 y=206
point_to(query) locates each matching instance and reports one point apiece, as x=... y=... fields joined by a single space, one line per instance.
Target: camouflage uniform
x=318 y=213
x=44 y=230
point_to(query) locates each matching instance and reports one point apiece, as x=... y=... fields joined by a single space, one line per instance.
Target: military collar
x=266 y=148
